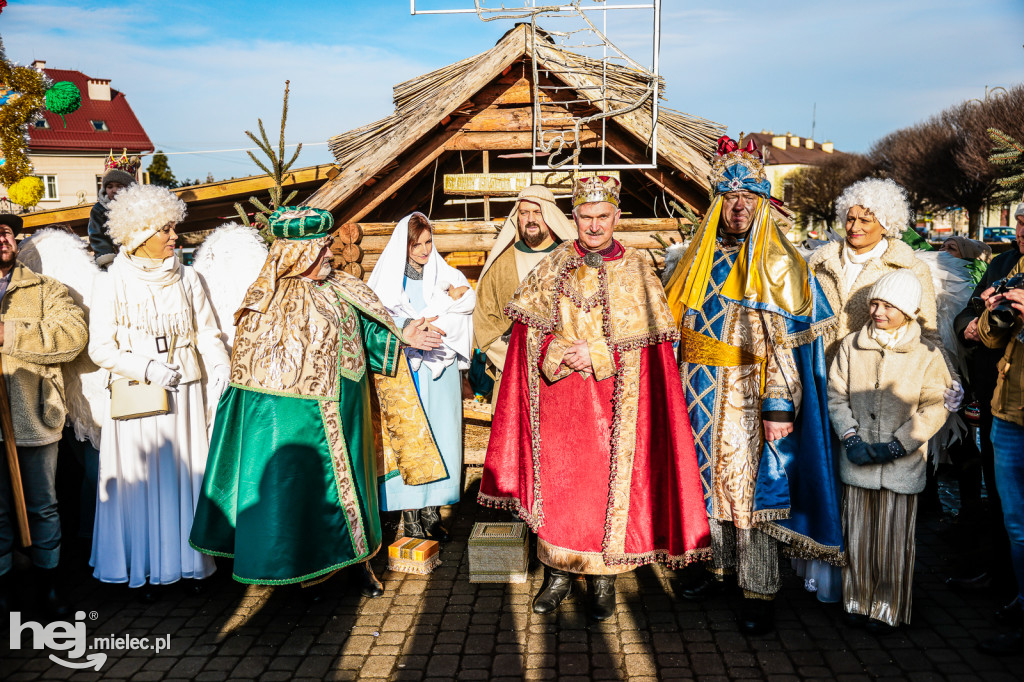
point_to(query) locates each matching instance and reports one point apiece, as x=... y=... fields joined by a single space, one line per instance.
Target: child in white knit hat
x=885 y=395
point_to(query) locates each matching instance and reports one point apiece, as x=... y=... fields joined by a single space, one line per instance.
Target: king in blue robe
x=751 y=317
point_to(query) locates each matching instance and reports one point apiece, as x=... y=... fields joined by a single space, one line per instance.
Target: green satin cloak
x=290 y=485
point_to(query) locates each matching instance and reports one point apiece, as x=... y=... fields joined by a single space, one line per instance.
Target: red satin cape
x=564 y=494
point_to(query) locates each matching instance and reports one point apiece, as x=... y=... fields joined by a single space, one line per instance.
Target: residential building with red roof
x=70 y=159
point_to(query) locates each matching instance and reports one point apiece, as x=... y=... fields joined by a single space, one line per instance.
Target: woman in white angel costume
x=412 y=280
x=152 y=321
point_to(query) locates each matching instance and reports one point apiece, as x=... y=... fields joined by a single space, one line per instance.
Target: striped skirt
x=879 y=526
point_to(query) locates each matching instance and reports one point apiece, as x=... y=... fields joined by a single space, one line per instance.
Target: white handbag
x=132 y=399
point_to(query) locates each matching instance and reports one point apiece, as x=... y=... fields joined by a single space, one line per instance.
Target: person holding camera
x=1001 y=325
x=992 y=566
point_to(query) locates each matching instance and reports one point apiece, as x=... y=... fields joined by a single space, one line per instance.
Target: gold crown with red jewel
x=128 y=164
x=596 y=188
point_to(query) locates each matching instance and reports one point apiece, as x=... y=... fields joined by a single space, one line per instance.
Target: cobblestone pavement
x=441 y=627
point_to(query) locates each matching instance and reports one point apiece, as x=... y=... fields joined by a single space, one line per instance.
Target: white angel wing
x=64 y=257
x=672 y=255
x=228 y=261
x=953 y=288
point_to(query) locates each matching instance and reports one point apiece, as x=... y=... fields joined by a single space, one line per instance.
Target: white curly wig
x=886 y=200
x=138 y=212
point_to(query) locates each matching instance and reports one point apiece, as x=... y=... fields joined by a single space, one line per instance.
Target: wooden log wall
x=357 y=246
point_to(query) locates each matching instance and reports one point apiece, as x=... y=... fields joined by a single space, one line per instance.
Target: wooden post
x=7 y=428
x=487 y=198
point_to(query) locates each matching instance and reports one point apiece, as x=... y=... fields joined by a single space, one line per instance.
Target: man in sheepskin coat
x=40 y=329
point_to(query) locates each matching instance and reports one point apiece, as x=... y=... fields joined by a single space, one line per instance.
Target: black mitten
x=886 y=452
x=857 y=450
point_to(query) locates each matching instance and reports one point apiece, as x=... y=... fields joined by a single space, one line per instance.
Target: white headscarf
x=454 y=317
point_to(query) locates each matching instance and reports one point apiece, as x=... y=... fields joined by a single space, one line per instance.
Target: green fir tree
x=160 y=172
x=1008 y=154
x=275 y=167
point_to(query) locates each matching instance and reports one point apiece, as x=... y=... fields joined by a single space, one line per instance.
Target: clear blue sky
x=200 y=73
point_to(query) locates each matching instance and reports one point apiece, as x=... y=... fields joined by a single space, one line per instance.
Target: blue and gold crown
x=595 y=188
x=736 y=169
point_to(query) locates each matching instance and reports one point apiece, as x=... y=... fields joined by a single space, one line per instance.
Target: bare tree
x=944 y=161
x=816 y=188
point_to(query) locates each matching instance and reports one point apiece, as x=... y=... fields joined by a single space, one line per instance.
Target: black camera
x=1004 y=315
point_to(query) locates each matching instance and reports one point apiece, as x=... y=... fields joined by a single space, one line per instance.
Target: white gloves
x=954 y=396
x=163 y=374
x=220 y=377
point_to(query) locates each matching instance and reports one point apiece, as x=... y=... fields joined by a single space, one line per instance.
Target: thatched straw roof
x=685 y=142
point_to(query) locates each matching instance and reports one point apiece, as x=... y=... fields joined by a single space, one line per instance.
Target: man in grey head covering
x=534 y=227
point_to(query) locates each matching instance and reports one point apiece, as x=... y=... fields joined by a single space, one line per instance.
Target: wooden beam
x=421 y=157
x=507 y=140
x=641 y=240
x=237 y=189
x=477 y=241
x=492 y=227
x=521 y=118
x=627 y=149
x=250 y=185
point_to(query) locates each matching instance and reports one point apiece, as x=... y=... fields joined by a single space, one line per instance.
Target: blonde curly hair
x=885 y=199
x=138 y=212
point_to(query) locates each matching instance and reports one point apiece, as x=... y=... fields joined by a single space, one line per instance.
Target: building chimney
x=794 y=141
x=779 y=141
x=39 y=65
x=827 y=147
x=809 y=143
x=99 y=89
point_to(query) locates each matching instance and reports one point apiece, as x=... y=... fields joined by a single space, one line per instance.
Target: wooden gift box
x=498 y=553
x=413 y=555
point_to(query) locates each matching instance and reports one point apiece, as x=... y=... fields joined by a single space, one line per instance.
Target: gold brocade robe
x=732 y=378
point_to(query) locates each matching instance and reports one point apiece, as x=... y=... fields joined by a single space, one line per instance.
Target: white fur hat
x=138 y=212
x=1020 y=210
x=900 y=288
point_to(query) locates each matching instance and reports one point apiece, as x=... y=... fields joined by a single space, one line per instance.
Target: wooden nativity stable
x=458 y=149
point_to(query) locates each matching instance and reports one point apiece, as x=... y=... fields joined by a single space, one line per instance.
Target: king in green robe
x=290 y=484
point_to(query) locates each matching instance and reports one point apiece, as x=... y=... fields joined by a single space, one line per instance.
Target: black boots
x=709 y=586
x=430 y=518
x=412 y=528
x=557 y=586
x=369 y=585
x=757 y=616
x=48 y=594
x=424 y=524
x=601 y=590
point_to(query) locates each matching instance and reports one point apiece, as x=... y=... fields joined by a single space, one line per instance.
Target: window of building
x=49 y=187
x=42 y=123
x=100 y=126
x=787 y=191
x=99 y=184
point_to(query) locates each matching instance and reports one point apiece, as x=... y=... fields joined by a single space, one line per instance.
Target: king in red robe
x=593 y=447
